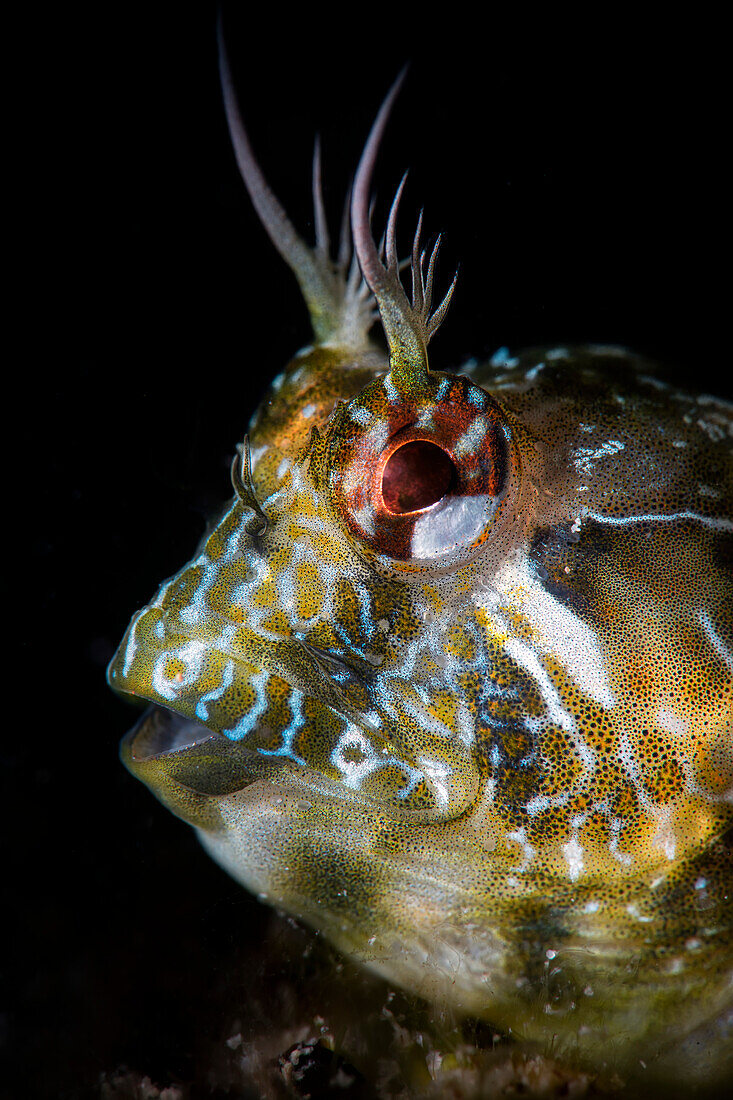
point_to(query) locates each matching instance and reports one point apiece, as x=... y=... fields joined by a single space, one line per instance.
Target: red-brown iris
x=419 y=478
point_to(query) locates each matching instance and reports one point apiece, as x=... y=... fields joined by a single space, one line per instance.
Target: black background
x=577 y=172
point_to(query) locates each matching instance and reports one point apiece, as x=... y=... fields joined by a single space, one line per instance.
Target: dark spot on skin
x=559 y=559
x=723 y=555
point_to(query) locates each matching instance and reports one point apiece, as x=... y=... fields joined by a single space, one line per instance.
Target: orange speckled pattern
x=486 y=745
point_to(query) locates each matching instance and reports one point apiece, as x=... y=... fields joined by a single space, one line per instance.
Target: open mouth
x=161 y=731
x=190 y=767
x=166 y=749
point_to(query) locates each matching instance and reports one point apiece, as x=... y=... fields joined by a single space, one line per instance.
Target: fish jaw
x=429 y=908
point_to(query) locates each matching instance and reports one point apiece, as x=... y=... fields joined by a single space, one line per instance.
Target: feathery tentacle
x=408 y=325
x=339 y=313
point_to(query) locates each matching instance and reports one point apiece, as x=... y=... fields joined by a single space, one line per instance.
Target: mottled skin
x=486 y=747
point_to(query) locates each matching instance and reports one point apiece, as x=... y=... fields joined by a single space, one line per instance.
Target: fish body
x=451 y=679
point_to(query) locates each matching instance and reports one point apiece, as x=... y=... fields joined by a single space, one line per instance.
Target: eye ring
x=417 y=479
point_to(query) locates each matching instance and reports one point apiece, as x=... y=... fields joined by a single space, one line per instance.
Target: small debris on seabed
x=306 y=1025
x=126 y=1085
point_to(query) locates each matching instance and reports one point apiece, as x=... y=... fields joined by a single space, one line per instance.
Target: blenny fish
x=451 y=679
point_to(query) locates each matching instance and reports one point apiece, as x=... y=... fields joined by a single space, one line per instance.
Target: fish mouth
x=167 y=747
x=191 y=768
x=161 y=731
x=189 y=749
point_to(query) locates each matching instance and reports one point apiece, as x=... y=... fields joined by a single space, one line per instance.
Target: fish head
x=451 y=678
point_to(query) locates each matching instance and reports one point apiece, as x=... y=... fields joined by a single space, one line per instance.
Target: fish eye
x=419 y=479
x=416 y=475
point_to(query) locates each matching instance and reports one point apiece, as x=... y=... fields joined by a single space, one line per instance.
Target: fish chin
x=309 y=844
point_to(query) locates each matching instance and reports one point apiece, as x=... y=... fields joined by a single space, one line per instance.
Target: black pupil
x=417 y=475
